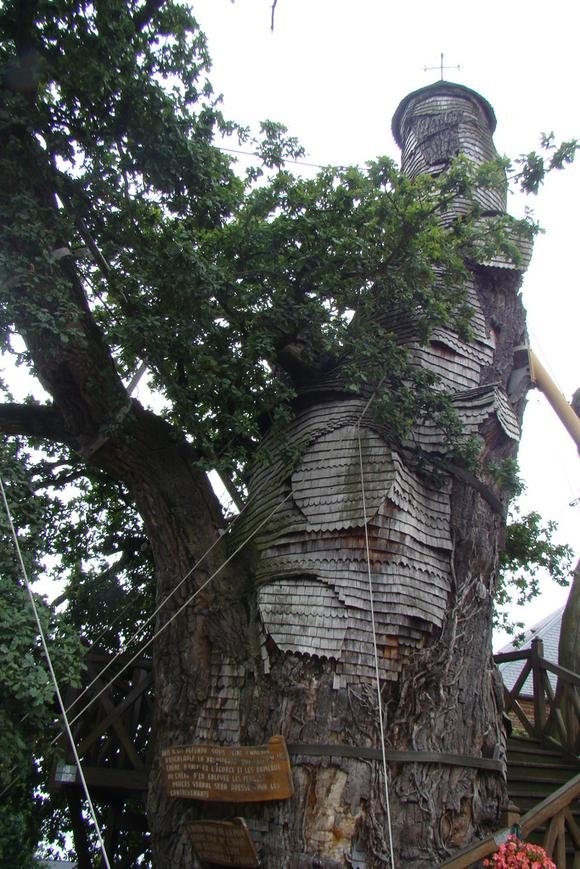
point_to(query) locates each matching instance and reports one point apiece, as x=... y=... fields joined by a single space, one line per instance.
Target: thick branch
x=297 y=360
x=33 y=420
x=146 y=13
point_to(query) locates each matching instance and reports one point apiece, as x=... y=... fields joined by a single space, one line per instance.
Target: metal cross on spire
x=440 y=67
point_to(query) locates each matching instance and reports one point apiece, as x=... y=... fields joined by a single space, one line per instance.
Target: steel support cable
x=148 y=621
x=189 y=600
x=53 y=677
x=375 y=645
x=124 y=648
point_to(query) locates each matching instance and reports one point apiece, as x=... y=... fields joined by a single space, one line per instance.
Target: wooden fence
x=556 y=713
x=554 y=814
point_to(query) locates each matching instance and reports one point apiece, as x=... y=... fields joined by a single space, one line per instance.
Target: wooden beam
x=566 y=675
x=525 y=672
x=572 y=827
x=115 y=779
x=553 y=805
x=554 y=827
x=550 y=806
x=117 y=724
x=560 y=851
x=512 y=703
x=537 y=652
x=114 y=714
x=467 y=856
x=506 y=657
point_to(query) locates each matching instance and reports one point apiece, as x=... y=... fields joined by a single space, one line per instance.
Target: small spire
x=441 y=67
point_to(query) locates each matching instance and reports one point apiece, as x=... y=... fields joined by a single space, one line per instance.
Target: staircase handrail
x=544 y=663
x=548 y=718
x=554 y=809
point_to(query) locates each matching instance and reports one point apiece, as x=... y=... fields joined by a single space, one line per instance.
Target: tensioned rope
x=166 y=625
x=374 y=627
x=287 y=159
x=148 y=621
x=174 y=615
x=189 y=600
x=53 y=677
x=124 y=649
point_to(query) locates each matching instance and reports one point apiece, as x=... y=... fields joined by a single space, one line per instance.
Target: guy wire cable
x=376 y=654
x=189 y=600
x=53 y=677
x=157 y=609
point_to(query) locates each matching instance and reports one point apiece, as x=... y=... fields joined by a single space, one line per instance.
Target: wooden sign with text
x=225 y=842
x=229 y=774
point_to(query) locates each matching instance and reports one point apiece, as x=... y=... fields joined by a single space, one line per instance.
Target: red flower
x=515 y=854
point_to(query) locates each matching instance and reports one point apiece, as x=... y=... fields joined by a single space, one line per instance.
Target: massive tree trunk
x=295 y=653
x=93 y=414
x=281 y=640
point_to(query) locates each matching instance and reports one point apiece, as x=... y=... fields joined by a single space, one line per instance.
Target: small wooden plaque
x=225 y=842
x=229 y=774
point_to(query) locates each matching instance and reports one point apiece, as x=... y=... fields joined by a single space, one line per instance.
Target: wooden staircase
x=535 y=771
x=543 y=766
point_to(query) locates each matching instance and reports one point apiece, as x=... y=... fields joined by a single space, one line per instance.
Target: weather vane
x=440 y=67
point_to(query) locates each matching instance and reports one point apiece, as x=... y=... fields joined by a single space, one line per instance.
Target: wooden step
x=528 y=751
x=527 y=799
x=534 y=772
x=551 y=775
x=531 y=748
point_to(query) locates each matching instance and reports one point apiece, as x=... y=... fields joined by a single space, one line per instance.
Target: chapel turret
x=437 y=123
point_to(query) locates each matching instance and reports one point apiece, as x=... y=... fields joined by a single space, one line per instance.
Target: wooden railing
x=554 y=814
x=556 y=714
x=112 y=735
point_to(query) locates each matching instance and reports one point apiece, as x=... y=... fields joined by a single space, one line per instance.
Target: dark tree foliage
x=529 y=556
x=126 y=238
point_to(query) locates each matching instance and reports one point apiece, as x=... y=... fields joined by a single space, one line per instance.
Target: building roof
x=440 y=88
x=548 y=630
x=46 y=864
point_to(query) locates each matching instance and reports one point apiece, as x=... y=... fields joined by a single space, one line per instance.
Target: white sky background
x=334 y=72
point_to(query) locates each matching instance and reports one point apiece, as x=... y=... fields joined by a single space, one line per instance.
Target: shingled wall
x=311 y=571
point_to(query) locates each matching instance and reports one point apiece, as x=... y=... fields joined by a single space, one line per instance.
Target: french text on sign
x=229 y=774
x=225 y=842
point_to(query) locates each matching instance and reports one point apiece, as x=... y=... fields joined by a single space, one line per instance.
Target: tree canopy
x=129 y=238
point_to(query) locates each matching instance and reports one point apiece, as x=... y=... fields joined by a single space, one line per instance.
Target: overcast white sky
x=334 y=72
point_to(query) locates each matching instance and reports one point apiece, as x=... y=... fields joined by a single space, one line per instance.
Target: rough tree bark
x=280 y=641
x=294 y=655
x=569 y=657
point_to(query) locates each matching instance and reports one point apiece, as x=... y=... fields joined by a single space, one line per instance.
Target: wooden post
x=537 y=652
x=513 y=814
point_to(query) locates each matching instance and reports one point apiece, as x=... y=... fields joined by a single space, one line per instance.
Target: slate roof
x=548 y=630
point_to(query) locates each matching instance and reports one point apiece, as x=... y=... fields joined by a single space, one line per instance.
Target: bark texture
x=294 y=653
x=569 y=657
x=279 y=640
